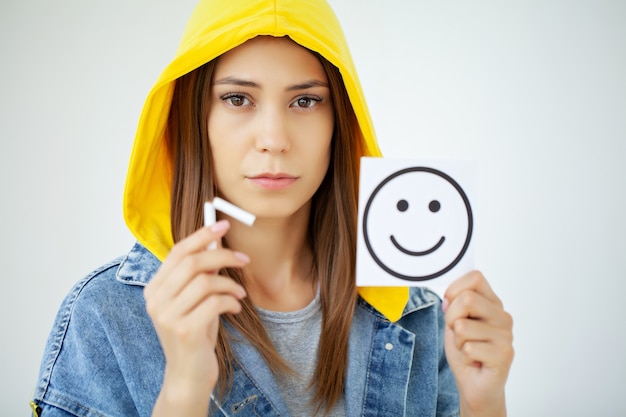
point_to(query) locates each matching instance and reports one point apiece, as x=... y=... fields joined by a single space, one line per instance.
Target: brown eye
x=306 y=102
x=236 y=100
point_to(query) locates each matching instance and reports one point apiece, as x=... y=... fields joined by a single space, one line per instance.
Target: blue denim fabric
x=103 y=357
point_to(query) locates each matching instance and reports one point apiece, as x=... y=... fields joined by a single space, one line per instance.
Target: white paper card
x=416 y=222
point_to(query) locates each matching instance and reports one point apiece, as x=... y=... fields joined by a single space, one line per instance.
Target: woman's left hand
x=478 y=344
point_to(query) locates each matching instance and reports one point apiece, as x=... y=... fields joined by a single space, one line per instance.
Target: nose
x=272 y=134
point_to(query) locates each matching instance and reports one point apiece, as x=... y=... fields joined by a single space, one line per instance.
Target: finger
x=191 y=329
x=200 y=239
x=470 y=304
x=202 y=287
x=211 y=308
x=205 y=262
x=193 y=265
x=467 y=330
x=488 y=354
x=194 y=243
x=472 y=281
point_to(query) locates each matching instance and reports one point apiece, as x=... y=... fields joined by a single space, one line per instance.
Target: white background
x=535 y=91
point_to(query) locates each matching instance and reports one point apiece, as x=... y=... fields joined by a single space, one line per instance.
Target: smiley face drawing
x=417 y=223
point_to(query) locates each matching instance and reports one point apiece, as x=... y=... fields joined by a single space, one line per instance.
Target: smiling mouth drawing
x=414 y=253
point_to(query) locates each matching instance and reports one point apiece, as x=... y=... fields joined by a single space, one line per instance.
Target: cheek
x=319 y=133
x=223 y=151
x=320 y=158
x=328 y=137
x=226 y=161
x=317 y=149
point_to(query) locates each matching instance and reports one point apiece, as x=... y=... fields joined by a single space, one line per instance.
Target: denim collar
x=138 y=267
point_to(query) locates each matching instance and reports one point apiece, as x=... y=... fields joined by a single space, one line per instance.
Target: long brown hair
x=332 y=227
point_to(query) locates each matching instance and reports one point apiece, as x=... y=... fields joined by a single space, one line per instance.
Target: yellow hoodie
x=215 y=27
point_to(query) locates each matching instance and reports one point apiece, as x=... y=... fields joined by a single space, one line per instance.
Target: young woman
x=262 y=107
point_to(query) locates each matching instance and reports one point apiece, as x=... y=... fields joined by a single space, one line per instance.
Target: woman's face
x=270 y=126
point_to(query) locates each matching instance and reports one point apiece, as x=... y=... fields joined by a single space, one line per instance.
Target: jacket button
x=388 y=346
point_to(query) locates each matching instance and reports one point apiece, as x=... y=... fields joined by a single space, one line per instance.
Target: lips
x=273 y=181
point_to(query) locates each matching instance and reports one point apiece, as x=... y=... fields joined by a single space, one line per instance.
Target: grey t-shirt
x=296 y=336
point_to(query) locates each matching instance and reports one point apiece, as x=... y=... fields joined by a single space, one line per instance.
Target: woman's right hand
x=185 y=300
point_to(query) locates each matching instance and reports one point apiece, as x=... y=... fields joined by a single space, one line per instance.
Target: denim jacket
x=103 y=357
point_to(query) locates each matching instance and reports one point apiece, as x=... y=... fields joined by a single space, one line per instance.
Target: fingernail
x=242 y=257
x=219 y=226
x=445 y=304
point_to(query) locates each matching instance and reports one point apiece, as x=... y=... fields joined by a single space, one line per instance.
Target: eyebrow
x=246 y=83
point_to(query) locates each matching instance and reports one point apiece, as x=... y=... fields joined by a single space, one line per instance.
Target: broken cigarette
x=226 y=208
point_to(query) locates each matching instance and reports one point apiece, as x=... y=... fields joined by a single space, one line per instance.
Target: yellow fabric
x=215 y=27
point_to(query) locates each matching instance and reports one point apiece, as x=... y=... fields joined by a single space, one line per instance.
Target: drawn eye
x=402 y=205
x=434 y=206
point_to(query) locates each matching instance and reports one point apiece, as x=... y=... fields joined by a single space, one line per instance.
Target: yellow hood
x=215 y=27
